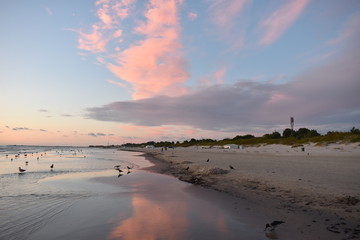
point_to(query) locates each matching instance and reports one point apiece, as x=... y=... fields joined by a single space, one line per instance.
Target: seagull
x=231 y=167
x=208 y=160
x=21 y=170
x=26 y=162
x=52 y=166
x=120 y=171
x=273 y=225
x=117 y=166
x=129 y=167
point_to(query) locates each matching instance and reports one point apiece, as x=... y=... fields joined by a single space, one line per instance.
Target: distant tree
x=288 y=133
x=313 y=133
x=330 y=133
x=354 y=130
x=306 y=133
x=273 y=135
x=248 y=136
x=302 y=132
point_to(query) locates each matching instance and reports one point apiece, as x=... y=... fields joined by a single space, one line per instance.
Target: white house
x=150 y=146
x=232 y=146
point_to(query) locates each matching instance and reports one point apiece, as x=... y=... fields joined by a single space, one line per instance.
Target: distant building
x=232 y=146
x=150 y=146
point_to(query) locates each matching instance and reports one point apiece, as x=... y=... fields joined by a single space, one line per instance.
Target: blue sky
x=92 y=72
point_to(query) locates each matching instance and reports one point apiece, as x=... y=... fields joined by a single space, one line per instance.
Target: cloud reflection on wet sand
x=153 y=221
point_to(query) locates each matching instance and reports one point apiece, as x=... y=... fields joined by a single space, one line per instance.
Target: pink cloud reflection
x=150 y=221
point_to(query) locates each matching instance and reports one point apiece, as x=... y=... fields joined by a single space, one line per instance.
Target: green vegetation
x=288 y=137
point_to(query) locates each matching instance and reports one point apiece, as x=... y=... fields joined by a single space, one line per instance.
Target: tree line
x=288 y=136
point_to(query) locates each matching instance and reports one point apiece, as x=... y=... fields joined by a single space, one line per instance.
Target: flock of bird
x=23 y=170
x=121 y=172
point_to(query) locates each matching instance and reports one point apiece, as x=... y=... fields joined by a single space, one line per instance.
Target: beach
x=314 y=189
x=84 y=196
x=315 y=192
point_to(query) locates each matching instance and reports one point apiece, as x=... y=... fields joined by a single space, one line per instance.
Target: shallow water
x=85 y=198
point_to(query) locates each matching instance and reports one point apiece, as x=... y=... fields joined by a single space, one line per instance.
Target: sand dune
x=321 y=182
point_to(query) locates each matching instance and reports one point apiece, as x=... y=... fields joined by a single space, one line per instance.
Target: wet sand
x=315 y=191
x=140 y=205
x=144 y=205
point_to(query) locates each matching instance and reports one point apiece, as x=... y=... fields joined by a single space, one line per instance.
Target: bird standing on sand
x=208 y=160
x=21 y=170
x=271 y=226
x=231 y=167
x=52 y=166
x=129 y=167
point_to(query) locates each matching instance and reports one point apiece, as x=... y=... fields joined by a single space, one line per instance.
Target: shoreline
x=309 y=203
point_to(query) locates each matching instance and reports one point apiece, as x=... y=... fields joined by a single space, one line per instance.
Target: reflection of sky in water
x=163 y=209
x=151 y=221
x=92 y=202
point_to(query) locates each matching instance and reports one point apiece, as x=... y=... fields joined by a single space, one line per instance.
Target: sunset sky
x=115 y=71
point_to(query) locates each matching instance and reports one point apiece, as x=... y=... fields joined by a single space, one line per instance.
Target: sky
x=117 y=71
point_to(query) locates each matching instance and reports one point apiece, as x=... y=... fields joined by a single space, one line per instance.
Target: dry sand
x=316 y=191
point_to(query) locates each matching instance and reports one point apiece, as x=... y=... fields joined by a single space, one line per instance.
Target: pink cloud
x=216 y=78
x=280 y=20
x=224 y=11
x=192 y=16
x=229 y=20
x=107 y=28
x=350 y=28
x=219 y=75
x=48 y=11
x=93 y=42
x=120 y=84
x=155 y=65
